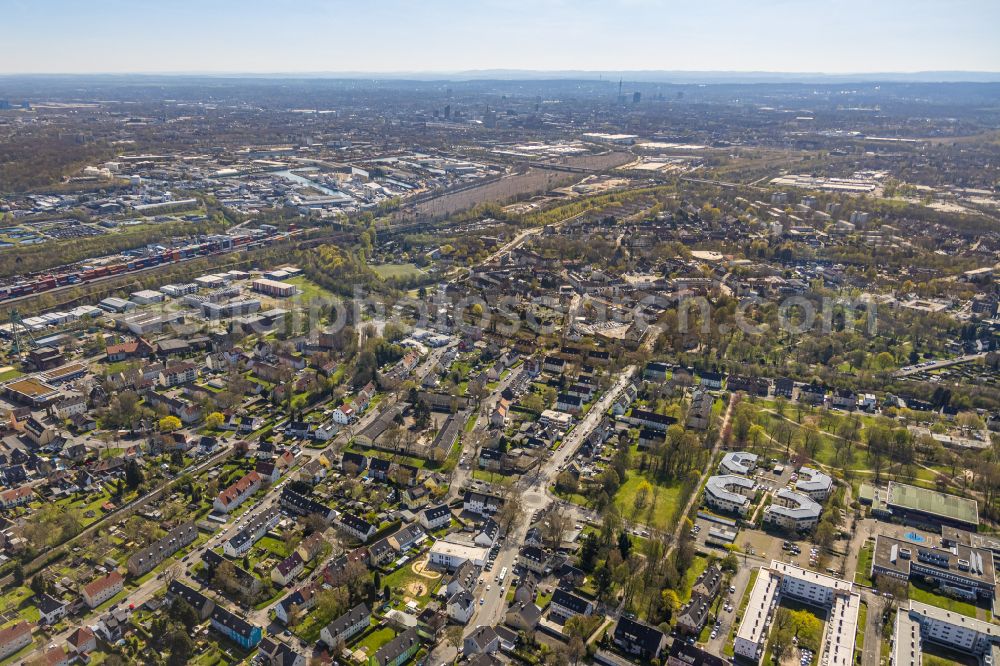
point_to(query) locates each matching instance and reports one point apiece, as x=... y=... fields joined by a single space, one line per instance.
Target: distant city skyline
x=446 y=36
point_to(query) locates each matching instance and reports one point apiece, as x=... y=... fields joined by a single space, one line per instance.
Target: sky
x=288 y=36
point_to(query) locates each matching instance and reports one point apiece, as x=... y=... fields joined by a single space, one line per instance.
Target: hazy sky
x=454 y=35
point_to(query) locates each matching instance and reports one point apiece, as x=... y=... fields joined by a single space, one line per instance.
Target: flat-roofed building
x=802 y=585
x=273 y=287
x=922 y=506
x=751 y=635
x=953 y=630
x=959 y=570
x=450 y=555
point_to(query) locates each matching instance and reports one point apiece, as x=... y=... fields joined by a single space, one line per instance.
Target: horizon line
x=509 y=71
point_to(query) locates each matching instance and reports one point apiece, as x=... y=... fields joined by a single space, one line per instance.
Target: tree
x=533 y=402
x=554 y=526
x=315 y=523
x=453 y=635
x=180 y=645
x=510 y=512
x=641 y=497
x=671 y=603
x=38 y=585
x=624 y=544
x=169 y=423
x=214 y=421
x=884 y=361
x=133 y=475
x=589 y=551
x=184 y=613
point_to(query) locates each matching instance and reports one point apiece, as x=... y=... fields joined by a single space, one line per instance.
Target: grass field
x=376 y=639
x=859 y=636
x=404 y=580
x=9 y=373
x=691 y=575
x=397 y=271
x=925 y=595
x=659 y=514
x=864 y=565
x=309 y=289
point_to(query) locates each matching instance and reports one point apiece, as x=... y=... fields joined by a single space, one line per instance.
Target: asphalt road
x=532 y=489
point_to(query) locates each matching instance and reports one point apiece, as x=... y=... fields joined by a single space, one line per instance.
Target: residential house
x=461 y=606
x=252 y=532
x=655 y=371
x=534 y=559
x=380 y=552
x=276 y=653
x=178 y=373
x=236 y=494
x=699 y=415
x=844 y=399
x=50 y=610
x=38 y=433
x=812 y=394
x=304 y=506
x=201 y=604
x=647 y=419
x=523 y=616
x=488 y=534
x=236 y=629
x=311 y=546
x=16 y=496
x=435 y=517
x=297 y=602
x=149 y=557
x=711 y=380
x=482 y=640
x=100 y=590
x=357 y=527
x=784 y=387
x=692 y=617
x=70 y=406
x=635 y=638
x=345 y=627
x=406 y=538
x=288 y=569
x=569 y=403
x=398 y=650
x=481 y=504
x=566 y=604
x=82 y=641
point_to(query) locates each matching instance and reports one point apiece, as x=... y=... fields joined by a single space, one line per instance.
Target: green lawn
x=309 y=289
x=864 y=565
x=859 y=637
x=10 y=373
x=401 y=581
x=661 y=514
x=397 y=271
x=927 y=596
x=691 y=575
x=376 y=639
x=488 y=476
x=18 y=599
x=274 y=546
